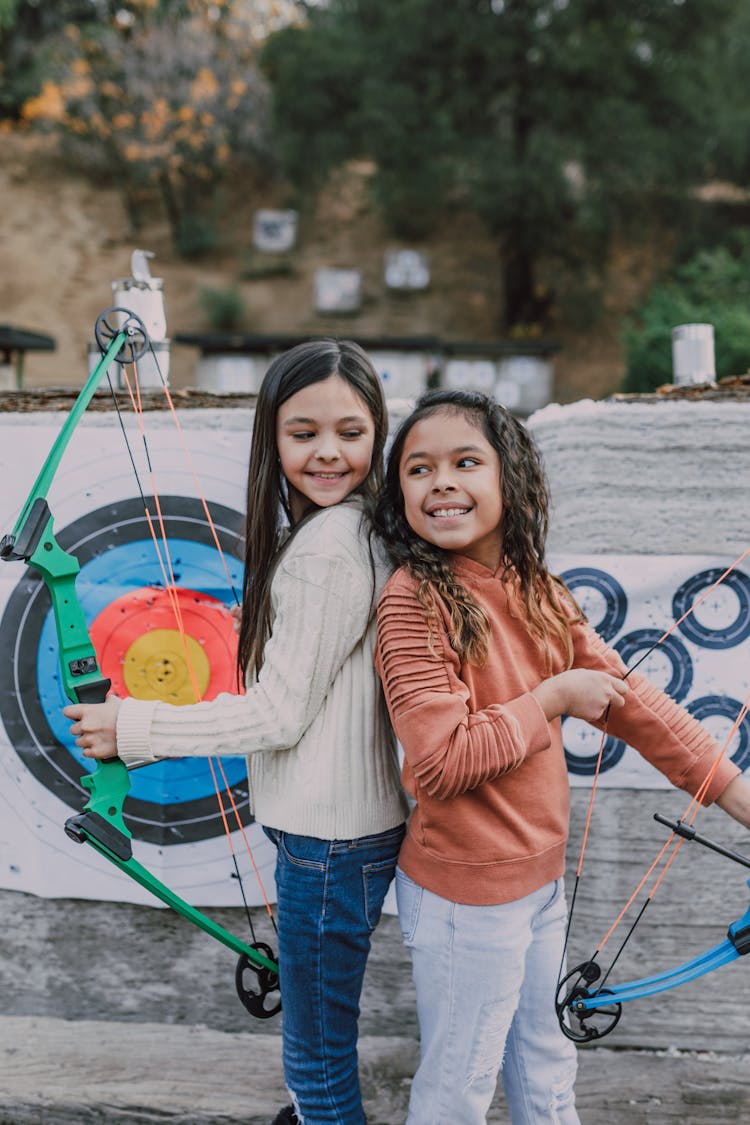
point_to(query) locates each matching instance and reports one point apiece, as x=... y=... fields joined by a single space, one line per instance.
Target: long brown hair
x=550 y=608
x=268 y=512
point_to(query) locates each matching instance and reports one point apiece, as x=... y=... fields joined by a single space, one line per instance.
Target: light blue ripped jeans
x=486 y=979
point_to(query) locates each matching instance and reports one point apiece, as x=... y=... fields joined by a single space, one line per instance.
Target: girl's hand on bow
x=236 y=612
x=735 y=800
x=95 y=727
x=582 y=693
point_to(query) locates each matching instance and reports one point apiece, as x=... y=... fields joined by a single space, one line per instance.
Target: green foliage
x=160 y=95
x=712 y=288
x=558 y=121
x=8 y=10
x=196 y=235
x=28 y=28
x=224 y=309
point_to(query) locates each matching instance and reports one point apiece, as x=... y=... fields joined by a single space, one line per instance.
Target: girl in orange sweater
x=481 y=651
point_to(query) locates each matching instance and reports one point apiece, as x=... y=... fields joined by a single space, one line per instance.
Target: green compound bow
x=101 y=822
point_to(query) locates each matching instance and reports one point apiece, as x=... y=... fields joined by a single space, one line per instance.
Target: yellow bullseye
x=156 y=667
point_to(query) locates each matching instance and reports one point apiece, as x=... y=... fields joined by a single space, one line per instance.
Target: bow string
x=587 y=1009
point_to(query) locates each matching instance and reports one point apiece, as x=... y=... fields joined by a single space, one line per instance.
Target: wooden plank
x=56 y=1072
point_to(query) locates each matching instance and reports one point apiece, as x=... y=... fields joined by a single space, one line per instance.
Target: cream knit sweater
x=321 y=754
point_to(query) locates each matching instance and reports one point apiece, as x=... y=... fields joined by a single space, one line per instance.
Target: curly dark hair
x=550 y=608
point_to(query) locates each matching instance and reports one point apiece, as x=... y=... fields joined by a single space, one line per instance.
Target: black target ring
x=721 y=706
x=641 y=640
x=46 y=758
x=719 y=638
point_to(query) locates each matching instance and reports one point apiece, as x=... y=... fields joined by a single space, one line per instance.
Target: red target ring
x=144 y=653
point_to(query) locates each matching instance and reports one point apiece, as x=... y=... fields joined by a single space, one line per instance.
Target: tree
x=161 y=95
x=26 y=27
x=555 y=120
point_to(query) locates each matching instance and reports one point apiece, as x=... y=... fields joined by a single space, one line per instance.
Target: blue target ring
x=615 y=598
x=641 y=640
x=725 y=636
x=133 y=566
x=172 y=802
x=584 y=765
x=712 y=706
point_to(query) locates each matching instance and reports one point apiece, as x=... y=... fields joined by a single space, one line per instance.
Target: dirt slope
x=64 y=239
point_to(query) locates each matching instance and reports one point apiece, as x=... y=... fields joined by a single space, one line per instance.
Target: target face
x=630 y=605
x=133 y=623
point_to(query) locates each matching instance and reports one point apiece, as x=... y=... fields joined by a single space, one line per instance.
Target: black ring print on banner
x=709 y=706
x=46 y=758
x=727 y=636
x=584 y=765
x=615 y=598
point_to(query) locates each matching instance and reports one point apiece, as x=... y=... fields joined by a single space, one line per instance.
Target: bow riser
x=82 y=680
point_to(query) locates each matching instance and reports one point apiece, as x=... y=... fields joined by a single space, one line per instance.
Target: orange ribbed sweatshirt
x=485 y=766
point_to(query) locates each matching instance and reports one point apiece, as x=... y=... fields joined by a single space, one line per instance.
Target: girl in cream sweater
x=321 y=756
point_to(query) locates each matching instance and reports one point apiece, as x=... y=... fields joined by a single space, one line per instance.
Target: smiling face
x=450 y=480
x=324 y=436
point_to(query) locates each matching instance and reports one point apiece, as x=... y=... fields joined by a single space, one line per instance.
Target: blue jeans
x=486 y=978
x=330 y=894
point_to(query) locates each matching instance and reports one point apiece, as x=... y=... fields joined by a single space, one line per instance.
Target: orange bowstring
x=161 y=545
x=674 y=840
x=695 y=803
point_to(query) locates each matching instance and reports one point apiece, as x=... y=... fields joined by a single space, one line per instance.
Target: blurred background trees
x=155 y=94
x=559 y=123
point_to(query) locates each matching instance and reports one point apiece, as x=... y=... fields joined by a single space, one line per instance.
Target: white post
x=693 y=354
x=143 y=295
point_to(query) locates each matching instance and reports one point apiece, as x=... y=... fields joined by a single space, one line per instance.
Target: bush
x=196 y=236
x=712 y=288
x=224 y=309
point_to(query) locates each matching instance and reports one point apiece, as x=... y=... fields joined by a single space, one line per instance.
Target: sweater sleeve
x=449 y=748
x=323 y=602
x=658 y=728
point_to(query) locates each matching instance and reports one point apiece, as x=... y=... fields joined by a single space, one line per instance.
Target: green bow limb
x=101 y=823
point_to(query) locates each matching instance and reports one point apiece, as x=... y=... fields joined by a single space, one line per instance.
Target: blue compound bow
x=587 y=1010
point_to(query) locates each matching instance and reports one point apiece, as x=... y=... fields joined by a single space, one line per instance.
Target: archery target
x=581 y=743
x=723 y=619
x=631 y=601
x=601 y=597
x=668 y=666
x=709 y=709
x=132 y=622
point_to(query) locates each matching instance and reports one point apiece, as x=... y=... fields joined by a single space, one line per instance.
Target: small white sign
x=274 y=232
x=337 y=290
x=406 y=269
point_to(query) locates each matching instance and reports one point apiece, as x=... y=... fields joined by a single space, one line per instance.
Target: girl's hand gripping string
x=581 y=693
x=95 y=727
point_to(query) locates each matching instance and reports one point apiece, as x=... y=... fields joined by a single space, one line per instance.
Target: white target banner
x=172 y=809
x=704 y=664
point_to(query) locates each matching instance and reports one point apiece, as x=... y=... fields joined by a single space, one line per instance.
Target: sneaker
x=286 y=1116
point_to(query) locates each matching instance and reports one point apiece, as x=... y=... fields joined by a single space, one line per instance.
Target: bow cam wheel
x=116 y=320
x=582 y=1023
x=257 y=986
